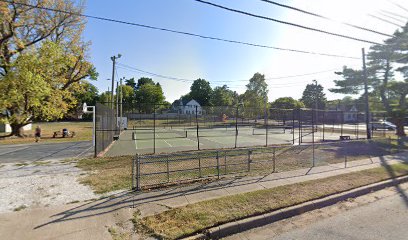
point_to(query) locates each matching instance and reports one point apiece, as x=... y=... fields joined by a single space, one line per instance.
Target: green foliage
x=147 y=95
x=131 y=82
x=256 y=94
x=142 y=81
x=287 y=103
x=200 y=91
x=222 y=96
x=313 y=96
x=32 y=89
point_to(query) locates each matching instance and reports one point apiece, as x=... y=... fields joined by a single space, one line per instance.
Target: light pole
x=113 y=75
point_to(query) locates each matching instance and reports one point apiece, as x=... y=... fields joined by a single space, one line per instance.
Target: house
x=187 y=107
x=351 y=115
x=343 y=113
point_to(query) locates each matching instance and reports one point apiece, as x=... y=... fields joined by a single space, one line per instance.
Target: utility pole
x=367 y=106
x=117 y=104
x=113 y=77
x=121 y=104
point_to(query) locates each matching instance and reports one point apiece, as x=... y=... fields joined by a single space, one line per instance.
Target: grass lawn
x=192 y=218
x=108 y=173
x=83 y=132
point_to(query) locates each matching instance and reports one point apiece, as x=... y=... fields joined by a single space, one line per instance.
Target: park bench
x=345 y=138
x=60 y=134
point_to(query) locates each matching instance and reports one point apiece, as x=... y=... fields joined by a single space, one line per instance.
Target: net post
x=236 y=126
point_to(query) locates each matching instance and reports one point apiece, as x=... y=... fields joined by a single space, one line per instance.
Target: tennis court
x=165 y=140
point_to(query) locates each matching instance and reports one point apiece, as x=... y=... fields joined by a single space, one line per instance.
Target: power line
x=326 y=18
x=395 y=14
x=185 y=33
x=133 y=69
x=286 y=23
x=384 y=20
x=392 y=17
x=398 y=5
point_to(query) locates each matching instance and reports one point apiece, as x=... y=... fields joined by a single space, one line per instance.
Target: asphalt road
x=44 y=151
x=371 y=219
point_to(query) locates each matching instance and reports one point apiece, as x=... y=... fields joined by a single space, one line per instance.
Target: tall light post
x=113 y=76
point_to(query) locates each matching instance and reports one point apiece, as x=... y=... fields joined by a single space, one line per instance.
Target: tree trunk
x=399 y=122
x=17 y=130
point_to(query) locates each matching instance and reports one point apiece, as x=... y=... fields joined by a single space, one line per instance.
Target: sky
x=222 y=63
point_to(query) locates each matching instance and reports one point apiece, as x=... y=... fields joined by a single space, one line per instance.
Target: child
x=37 y=133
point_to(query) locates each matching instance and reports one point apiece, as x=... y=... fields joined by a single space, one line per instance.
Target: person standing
x=37 y=133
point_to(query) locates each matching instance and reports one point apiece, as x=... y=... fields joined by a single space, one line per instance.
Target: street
x=44 y=151
x=379 y=215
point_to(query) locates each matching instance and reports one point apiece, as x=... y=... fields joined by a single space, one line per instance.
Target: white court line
x=83 y=151
x=211 y=140
x=167 y=143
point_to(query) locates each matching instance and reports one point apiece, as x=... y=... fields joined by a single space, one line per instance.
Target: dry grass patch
x=107 y=174
x=187 y=220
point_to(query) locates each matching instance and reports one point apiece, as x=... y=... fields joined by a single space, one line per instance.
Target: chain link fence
x=151 y=171
x=105 y=127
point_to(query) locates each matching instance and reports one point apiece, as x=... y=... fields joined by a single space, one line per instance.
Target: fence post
x=133 y=173
x=249 y=159
x=218 y=165
x=137 y=172
x=345 y=159
x=274 y=159
x=168 y=169
x=225 y=162
x=199 y=167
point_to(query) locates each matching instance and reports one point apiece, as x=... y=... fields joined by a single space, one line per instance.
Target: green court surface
x=142 y=141
x=168 y=140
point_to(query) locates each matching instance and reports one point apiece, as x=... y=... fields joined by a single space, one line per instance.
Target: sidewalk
x=90 y=220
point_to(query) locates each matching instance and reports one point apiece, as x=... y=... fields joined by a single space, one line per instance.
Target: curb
x=231 y=228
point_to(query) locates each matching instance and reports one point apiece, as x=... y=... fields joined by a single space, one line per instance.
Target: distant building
x=343 y=113
x=187 y=107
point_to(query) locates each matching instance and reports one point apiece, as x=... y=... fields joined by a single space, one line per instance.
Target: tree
x=46 y=49
x=222 y=96
x=255 y=96
x=33 y=87
x=144 y=80
x=380 y=74
x=201 y=91
x=149 y=96
x=287 y=103
x=313 y=96
x=131 y=82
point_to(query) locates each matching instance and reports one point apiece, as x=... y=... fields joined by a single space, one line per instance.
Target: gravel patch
x=40 y=184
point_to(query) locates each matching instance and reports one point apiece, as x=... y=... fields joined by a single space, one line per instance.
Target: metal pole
x=324 y=118
x=293 y=126
x=218 y=165
x=236 y=126
x=367 y=106
x=94 y=131
x=117 y=105
x=154 y=128
x=266 y=121
x=313 y=145
x=137 y=172
x=274 y=160
x=300 y=126
x=121 y=105
x=198 y=137
x=113 y=78
x=342 y=123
